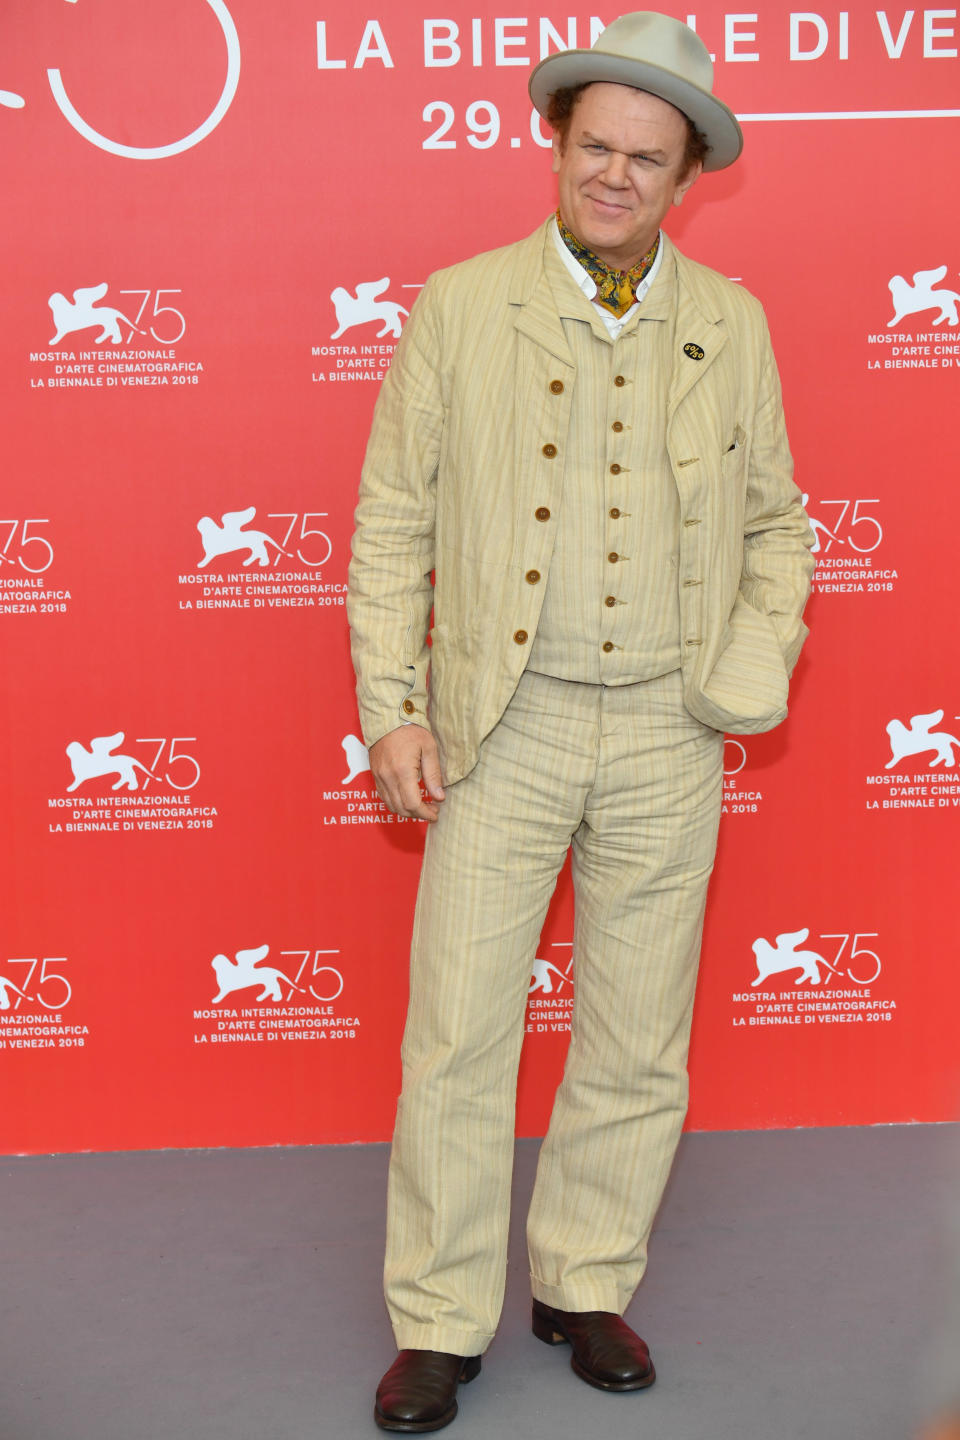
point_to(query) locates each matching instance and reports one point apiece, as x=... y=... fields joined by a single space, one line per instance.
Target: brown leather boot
x=606 y=1352
x=419 y=1391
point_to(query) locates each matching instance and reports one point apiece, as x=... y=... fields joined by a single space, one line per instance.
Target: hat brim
x=583 y=67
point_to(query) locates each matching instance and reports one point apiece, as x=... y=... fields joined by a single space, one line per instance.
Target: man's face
x=620 y=170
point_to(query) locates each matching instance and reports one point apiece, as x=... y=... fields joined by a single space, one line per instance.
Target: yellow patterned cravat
x=616 y=289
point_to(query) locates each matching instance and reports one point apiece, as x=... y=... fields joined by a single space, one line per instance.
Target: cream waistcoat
x=611 y=613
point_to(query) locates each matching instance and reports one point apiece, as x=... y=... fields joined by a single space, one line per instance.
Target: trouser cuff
x=446 y=1338
x=581 y=1296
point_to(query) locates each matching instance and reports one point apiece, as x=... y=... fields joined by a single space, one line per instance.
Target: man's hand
x=399 y=761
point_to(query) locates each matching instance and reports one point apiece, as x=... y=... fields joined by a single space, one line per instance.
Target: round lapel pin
x=694 y=351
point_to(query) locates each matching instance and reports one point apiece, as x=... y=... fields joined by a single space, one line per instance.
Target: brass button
x=556 y=387
x=520 y=636
x=549 y=450
x=409 y=706
x=607 y=646
x=614 y=513
x=610 y=600
x=619 y=380
x=614 y=469
x=532 y=577
x=542 y=513
x=613 y=557
x=617 y=425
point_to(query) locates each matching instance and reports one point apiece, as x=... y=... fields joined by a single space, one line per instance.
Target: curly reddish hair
x=564 y=101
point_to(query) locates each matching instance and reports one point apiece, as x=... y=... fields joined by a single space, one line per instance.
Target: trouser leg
x=642 y=861
x=489 y=869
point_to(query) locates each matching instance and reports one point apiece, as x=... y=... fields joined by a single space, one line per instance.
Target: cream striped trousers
x=628 y=776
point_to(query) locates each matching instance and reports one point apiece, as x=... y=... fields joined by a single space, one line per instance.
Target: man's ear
x=558 y=148
x=691 y=177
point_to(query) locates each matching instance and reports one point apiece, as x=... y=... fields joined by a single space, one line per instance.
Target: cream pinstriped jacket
x=456 y=482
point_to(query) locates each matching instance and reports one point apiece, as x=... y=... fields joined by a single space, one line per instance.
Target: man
x=581 y=437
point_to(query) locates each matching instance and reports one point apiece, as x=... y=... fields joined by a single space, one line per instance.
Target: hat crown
x=659 y=40
x=655 y=53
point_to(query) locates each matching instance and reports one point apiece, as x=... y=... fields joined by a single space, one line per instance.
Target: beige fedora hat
x=655 y=53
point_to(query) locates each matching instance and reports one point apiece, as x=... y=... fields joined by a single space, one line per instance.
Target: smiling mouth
x=610 y=206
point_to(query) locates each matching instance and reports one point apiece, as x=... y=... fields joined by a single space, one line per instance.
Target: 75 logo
x=40 y=983
x=313 y=974
x=30 y=551
x=852 y=525
x=85 y=312
x=850 y=956
x=169 y=763
x=234 y=533
x=166 y=331
x=71 y=114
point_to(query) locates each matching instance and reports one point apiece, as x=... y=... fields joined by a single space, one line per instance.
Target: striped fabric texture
x=611 y=612
x=634 y=781
x=466 y=476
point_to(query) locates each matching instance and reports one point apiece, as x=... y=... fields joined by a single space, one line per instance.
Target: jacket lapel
x=535 y=308
x=698 y=341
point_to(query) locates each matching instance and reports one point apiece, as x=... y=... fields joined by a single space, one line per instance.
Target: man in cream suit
x=581 y=439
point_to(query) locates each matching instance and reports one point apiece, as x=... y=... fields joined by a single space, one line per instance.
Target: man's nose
x=615 y=170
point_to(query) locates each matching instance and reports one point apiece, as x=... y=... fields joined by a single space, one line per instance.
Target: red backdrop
x=214 y=225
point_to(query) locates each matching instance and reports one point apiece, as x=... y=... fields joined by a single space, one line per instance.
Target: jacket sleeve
x=777 y=563
x=390 y=591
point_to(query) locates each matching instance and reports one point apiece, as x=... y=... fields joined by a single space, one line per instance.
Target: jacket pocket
x=747 y=686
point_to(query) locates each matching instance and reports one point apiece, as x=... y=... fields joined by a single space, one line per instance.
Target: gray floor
x=234 y=1295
